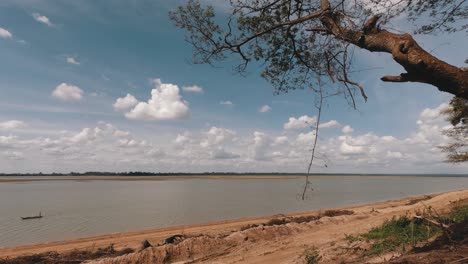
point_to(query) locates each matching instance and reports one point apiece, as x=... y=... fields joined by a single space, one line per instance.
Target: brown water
x=76 y=209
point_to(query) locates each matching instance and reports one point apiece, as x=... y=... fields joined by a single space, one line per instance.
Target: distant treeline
x=142 y=173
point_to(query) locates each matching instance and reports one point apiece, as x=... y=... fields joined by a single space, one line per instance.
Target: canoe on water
x=31 y=217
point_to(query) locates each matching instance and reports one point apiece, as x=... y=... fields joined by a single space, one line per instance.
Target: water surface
x=76 y=209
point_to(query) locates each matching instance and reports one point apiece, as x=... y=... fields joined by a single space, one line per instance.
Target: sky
x=108 y=86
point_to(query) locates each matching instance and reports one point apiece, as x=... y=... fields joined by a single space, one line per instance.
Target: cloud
x=300 y=123
x=193 y=89
x=182 y=139
x=13 y=155
x=347 y=130
x=226 y=103
x=12 y=124
x=306 y=138
x=280 y=140
x=73 y=61
x=217 y=136
x=5 y=33
x=121 y=134
x=429 y=115
x=165 y=104
x=67 y=92
x=125 y=103
x=261 y=146
x=105 y=147
x=221 y=153
x=264 y=109
x=329 y=124
x=347 y=149
x=42 y=19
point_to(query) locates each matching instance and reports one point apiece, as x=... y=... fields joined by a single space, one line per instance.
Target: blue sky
x=65 y=63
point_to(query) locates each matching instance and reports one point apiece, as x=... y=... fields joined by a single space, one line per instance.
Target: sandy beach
x=229 y=241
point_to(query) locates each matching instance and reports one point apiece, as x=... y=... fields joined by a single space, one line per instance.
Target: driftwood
x=145 y=244
x=445 y=228
x=173 y=239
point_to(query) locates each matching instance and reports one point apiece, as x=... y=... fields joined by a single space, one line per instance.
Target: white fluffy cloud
x=73 y=61
x=216 y=136
x=347 y=129
x=125 y=103
x=5 y=33
x=281 y=140
x=261 y=146
x=300 y=123
x=329 y=124
x=264 y=109
x=165 y=104
x=42 y=19
x=193 y=89
x=67 y=92
x=347 y=149
x=221 y=153
x=12 y=124
x=105 y=147
x=227 y=103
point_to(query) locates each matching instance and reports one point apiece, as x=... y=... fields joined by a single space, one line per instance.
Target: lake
x=76 y=209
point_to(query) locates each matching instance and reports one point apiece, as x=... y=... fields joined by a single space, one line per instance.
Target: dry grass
x=300 y=219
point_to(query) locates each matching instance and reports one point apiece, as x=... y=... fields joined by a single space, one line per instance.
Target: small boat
x=31 y=217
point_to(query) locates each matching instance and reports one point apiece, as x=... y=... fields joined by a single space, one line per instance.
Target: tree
x=297 y=40
x=457 y=115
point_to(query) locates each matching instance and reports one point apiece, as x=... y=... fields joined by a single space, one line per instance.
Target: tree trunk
x=419 y=64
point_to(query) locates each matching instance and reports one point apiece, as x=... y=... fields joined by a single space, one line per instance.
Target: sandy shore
x=280 y=244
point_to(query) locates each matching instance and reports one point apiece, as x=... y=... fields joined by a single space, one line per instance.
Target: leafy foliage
x=457 y=115
x=398 y=233
x=312 y=255
x=297 y=42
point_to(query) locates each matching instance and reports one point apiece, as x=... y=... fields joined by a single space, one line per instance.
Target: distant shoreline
x=215 y=174
x=31 y=178
x=142 y=178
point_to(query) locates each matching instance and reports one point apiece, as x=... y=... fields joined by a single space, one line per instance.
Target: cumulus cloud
x=73 y=61
x=329 y=124
x=221 y=153
x=9 y=142
x=182 y=139
x=226 y=103
x=42 y=19
x=125 y=103
x=12 y=124
x=193 y=89
x=13 y=155
x=347 y=149
x=347 y=129
x=165 y=104
x=300 y=123
x=261 y=146
x=67 y=92
x=305 y=138
x=264 y=109
x=430 y=115
x=281 y=140
x=216 y=136
x=105 y=147
x=5 y=33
